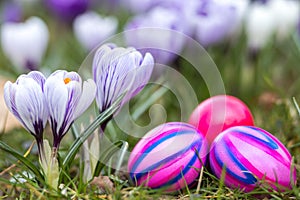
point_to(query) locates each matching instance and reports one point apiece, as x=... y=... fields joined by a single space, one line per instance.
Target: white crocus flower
x=91 y=29
x=26 y=101
x=117 y=70
x=286 y=14
x=260 y=25
x=67 y=98
x=25 y=43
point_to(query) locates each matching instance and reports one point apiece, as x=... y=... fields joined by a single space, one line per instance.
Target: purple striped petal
x=26 y=100
x=67 y=100
x=57 y=97
x=36 y=76
x=143 y=74
x=31 y=106
x=118 y=70
x=98 y=57
x=10 y=100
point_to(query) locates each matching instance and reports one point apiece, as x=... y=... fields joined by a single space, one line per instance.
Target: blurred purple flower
x=25 y=99
x=12 y=12
x=67 y=10
x=91 y=29
x=214 y=20
x=117 y=70
x=67 y=99
x=25 y=43
x=154 y=32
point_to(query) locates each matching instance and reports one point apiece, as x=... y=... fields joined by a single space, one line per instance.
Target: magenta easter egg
x=218 y=113
x=251 y=156
x=168 y=157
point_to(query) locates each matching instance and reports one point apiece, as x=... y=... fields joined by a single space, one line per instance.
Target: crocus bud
x=25 y=99
x=117 y=71
x=25 y=43
x=67 y=10
x=154 y=32
x=67 y=98
x=91 y=29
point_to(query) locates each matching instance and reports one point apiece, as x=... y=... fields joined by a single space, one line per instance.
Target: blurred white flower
x=91 y=29
x=279 y=17
x=64 y=189
x=260 y=25
x=25 y=43
x=286 y=14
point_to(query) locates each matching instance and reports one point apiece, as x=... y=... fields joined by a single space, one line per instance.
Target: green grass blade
x=121 y=156
x=296 y=105
x=85 y=135
x=104 y=158
x=23 y=160
x=75 y=131
x=6 y=181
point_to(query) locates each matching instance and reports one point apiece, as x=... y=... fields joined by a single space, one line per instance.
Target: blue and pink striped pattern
x=168 y=156
x=251 y=154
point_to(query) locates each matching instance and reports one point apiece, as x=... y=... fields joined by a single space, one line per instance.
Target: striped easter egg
x=251 y=156
x=169 y=157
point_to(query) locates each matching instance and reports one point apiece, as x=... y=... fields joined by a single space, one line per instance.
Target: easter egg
x=218 y=113
x=170 y=157
x=250 y=157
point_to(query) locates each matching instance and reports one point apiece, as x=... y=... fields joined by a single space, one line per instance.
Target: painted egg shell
x=168 y=157
x=251 y=156
x=218 y=113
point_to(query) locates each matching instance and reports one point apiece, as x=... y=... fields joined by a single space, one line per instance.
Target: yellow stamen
x=67 y=80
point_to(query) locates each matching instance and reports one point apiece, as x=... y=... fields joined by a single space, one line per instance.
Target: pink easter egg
x=251 y=156
x=170 y=156
x=218 y=113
